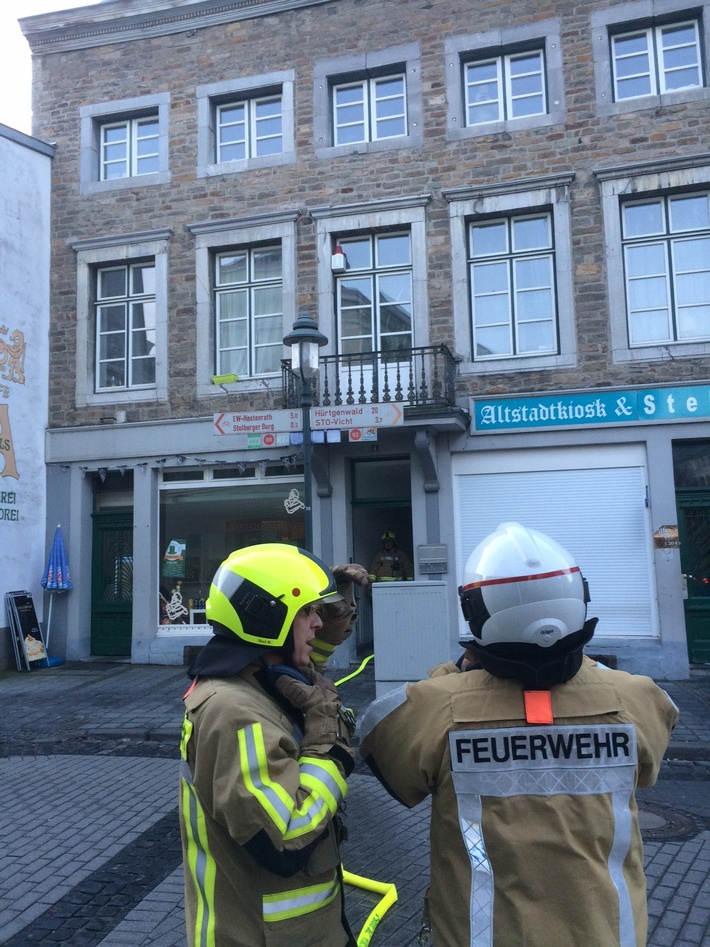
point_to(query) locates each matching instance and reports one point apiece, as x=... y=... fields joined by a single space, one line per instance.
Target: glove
x=325 y=725
x=339 y=617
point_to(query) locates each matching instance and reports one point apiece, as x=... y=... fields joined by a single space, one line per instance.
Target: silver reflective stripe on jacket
x=543 y=761
x=381 y=708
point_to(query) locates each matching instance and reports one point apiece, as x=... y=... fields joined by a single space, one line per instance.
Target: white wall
x=25 y=171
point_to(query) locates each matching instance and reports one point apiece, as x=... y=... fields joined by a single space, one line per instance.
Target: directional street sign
x=259 y=422
x=343 y=417
x=358 y=415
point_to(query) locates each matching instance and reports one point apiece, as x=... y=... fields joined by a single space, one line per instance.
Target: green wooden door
x=694 y=534
x=112 y=584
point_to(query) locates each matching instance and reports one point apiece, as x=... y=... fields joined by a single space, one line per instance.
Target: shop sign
x=582 y=409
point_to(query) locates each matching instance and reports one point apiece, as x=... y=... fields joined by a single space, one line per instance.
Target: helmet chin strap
x=535 y=667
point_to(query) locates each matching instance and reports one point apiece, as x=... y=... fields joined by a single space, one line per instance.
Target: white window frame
x=127 y=301
x=372 y=102
x=656 y=72
x=501 y=45
x=370 y=217
x=505 y=99
x=96 y=118
x=514 y=198
x=651 y=179
x=362 y=70
x=375 y=274
x=101 y=252
x=239 y=232
x=132 y=139
x=636 y=16
x=248 y=288
x=247 y=90
x=512 y=258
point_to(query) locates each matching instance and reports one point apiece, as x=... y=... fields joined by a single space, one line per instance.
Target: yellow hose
x=389 y=892
x=349 y=677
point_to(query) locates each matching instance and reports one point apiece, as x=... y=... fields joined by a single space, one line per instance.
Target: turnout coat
x=253 y=804
x=535 y=839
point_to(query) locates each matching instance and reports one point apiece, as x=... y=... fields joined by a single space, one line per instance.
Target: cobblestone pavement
x=88 y=816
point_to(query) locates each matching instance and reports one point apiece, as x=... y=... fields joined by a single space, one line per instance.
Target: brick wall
x=295 y=39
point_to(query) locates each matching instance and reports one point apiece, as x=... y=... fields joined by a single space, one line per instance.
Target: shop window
x=201 y=525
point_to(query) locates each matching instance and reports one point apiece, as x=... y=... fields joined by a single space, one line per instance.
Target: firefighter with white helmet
x=531 y=756
x=265 y=755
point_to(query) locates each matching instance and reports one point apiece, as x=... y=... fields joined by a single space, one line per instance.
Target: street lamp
x=304 y=342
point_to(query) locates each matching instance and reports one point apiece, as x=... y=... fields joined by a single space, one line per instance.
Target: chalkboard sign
x=25 y=630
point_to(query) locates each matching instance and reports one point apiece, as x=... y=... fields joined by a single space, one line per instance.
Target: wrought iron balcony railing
x=421 y=377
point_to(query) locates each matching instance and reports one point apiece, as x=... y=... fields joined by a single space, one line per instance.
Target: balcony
x=422 y=380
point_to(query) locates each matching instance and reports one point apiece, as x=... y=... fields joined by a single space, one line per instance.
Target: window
x=658 y=267
x=122 y=318
x=656 y=60
x=504 y=80
x=370 y=110
x=653 y=57
x=513 y=293
x=124 y=143
x=246 y=297
x=370 y=102
x=244 y=124
x=374 y=297
x=506 y=87
x=129 y=148
x=667 y=266
x=249 y=311
x=125 y=326
x=512 y=265
x=249 y=129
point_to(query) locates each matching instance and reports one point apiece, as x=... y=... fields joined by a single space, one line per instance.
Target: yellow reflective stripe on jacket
x=287 y=904
x=321 y=777
x=199 y=863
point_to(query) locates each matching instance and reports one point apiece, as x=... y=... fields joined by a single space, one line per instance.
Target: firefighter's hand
x=325 y=724
x=339 y=617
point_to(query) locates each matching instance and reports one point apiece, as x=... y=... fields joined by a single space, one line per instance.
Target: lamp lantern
x=304 y=342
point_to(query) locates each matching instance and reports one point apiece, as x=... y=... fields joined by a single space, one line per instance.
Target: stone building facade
x=513 y=199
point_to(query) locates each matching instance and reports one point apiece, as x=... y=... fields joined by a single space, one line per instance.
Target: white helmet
x=521 y=587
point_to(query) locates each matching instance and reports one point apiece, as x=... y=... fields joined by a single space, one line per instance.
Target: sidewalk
x=88 y=815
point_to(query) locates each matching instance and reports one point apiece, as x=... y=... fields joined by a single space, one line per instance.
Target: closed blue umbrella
x=57 y=577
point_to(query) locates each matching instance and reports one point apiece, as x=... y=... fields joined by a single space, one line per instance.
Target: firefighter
x=265 y=755
x=531 y=756
x=390 y=564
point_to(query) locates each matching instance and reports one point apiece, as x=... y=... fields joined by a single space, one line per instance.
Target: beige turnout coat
x=534 y=828
x=245 y=774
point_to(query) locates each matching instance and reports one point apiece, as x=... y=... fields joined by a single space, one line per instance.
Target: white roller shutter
x=599 y=514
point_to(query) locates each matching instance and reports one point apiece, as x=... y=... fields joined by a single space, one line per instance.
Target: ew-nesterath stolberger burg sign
x=586 y=408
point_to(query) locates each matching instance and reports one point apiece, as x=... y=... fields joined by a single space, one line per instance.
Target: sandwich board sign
x=25 y=630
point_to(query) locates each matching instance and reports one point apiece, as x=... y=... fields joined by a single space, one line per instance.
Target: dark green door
x=694 y=534
x=112 y=584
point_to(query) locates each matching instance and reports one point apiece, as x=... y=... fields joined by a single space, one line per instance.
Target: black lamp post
x=304 y=342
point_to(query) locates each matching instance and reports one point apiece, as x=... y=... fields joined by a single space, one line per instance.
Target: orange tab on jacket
x=538 y=707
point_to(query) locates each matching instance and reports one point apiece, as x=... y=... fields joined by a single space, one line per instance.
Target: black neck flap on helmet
x=535 y=667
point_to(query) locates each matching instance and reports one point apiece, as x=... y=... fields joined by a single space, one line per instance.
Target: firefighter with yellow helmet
x=531 y=752
x=390 y=564
x=265 y=755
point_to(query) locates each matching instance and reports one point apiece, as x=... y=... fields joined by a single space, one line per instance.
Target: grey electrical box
x=433 y=559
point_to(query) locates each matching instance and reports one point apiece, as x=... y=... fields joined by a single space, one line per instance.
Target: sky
x=15 y=59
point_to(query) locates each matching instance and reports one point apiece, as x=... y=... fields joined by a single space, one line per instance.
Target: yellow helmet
x=388 y=534
x=257 y=591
